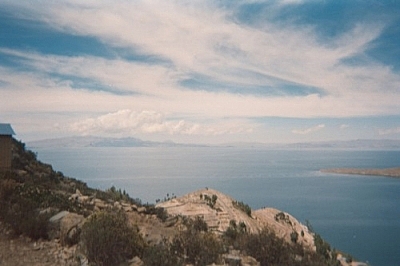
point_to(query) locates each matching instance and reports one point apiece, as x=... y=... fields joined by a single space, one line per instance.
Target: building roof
x=6 y=129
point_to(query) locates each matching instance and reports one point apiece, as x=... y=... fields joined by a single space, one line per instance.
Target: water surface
x=357 y=214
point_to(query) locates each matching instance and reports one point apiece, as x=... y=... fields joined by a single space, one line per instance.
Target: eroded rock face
x=218 y=216
x=285 y=226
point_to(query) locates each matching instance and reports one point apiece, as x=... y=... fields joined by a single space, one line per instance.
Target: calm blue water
x=357 y=214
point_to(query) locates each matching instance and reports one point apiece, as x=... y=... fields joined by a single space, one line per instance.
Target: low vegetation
x=210 y=200
x=109 y=240
x=243 y=207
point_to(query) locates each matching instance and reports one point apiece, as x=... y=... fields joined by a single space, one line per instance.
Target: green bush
x=109 y=240
x=196 y=246
x=234 y=234
x=160 y=212
x=281 y=216
x=23 y=217
x=243 y=207
x=198 y=224
x=294 y=236
x=211 y=200
x=267 y=248
x=161 y=254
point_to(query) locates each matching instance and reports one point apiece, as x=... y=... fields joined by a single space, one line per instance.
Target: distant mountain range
x=365 y=144
x=94 y=141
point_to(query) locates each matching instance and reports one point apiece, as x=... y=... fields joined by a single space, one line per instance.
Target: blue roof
x=6 y=129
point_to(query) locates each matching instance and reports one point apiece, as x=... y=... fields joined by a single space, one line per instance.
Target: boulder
x=127 y=208
x=171 y=221
x=232 y=260
x=249 y=261
x=99 y=204
x=70 y=227
x=57 y=218
x=136 y=261
x=141 y=210
x=54 y=224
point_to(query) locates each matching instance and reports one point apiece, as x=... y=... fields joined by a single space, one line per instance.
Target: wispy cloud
x=198 y=61
x=344 y=126
x=308 y=130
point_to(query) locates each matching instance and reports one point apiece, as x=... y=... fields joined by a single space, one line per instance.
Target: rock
x=48 y=210
x=117 y=205
x=99 y=204
x=141 y=210
x=58 y=216
x=70 y=227
x=83 y=260
x=78 y=197
x=83 y=199
x=127 y=208
x=232 y=260
x=54 y=225
x=36 y=246
x=171 y=221
x=136 y=261
x=249 y=261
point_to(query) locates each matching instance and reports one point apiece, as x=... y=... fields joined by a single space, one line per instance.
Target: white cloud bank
x=128 y=122
x=308 y=130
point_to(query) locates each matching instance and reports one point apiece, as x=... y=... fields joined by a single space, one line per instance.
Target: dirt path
x=21 y=251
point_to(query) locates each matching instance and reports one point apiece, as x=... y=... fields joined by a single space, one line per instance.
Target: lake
x=357 y=214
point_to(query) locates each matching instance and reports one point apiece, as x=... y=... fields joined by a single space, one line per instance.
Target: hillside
x=50 y=219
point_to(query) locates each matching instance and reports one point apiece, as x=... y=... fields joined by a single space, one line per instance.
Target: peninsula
x=390 y=172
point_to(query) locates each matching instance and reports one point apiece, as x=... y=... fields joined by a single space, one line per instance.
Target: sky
x=200 y=71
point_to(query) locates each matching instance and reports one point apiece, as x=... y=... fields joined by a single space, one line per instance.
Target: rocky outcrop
x=285 y=226
x=219 y=215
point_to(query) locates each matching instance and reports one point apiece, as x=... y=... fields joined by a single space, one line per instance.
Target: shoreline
x=387 y=172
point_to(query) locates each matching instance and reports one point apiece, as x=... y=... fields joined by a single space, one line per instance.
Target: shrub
x=242 y=206
x=234 y=234
x=7 y=188
x=294 y=236
x=195 y=246
x=199 y=225
x=267 y=248
x=161 y=254
x=109 y=240
x=281 y=216
x=24 y=218
x=211 y=200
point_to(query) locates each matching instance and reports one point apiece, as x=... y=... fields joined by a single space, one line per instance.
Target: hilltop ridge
x=219 y=215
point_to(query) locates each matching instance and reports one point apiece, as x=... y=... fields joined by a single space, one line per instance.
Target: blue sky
x=201 y=71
